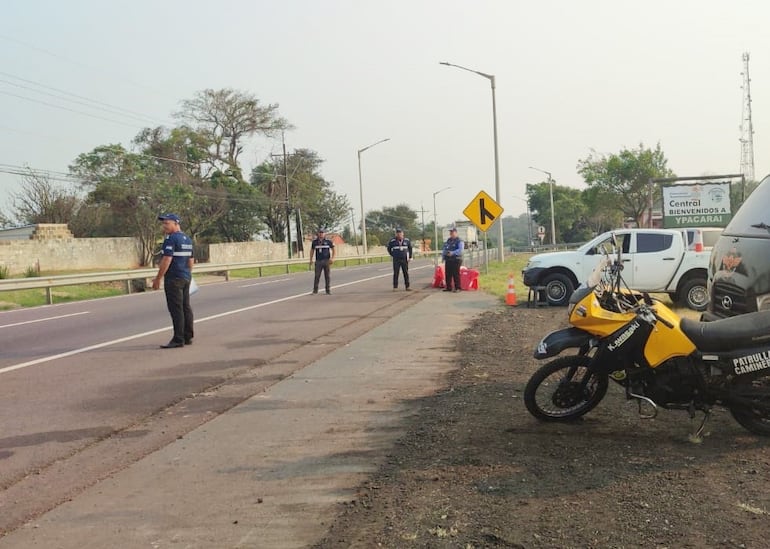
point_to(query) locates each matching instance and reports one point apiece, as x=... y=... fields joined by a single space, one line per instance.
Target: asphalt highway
x=85 y=389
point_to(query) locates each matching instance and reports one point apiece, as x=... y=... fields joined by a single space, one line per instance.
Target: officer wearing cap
x=323 y=250
x=400 y=249
x=453 y=258
x=175 y=269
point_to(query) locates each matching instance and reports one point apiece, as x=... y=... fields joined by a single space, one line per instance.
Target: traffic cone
x=698 y=241
x=510 y=297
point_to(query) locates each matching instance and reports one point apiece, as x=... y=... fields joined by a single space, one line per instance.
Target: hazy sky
x=572 y=77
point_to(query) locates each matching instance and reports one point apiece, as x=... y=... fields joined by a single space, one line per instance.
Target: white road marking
x=42 y=319
x=165 y=329
x=263 y=283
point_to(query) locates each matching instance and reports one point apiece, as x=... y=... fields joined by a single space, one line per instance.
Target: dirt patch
x=476 y=470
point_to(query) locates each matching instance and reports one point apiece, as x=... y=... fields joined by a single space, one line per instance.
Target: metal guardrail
x=49 y=282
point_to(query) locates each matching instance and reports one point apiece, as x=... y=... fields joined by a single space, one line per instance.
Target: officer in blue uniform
x=400 y=249
x=323 y=250
x=453 y=258
x=175 y=269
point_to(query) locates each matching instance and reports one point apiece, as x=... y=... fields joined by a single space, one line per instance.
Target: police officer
x=453 y=258
x=400 y=249
x=175 y=269
x=323 y=249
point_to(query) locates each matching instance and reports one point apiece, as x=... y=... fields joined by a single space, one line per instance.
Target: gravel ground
x=476 y=470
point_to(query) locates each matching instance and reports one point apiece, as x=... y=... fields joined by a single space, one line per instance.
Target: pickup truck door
x=654 y=259
x=601 y=247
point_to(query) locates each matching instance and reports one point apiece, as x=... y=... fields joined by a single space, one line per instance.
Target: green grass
x=62 y=294
x=495 y=282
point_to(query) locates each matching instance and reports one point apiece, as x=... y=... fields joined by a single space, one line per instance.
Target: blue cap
x=170 y=216
x=399 y=230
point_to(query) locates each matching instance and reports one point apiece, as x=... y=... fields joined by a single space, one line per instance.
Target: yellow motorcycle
x=660 y=359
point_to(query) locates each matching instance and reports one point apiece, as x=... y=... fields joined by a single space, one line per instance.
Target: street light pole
x=550 y=188
x=353 y=221
x=498 y=198
x=435 y=226
x=361 y=191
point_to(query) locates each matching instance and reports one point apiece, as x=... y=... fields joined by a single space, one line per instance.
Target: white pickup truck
x=654 y=260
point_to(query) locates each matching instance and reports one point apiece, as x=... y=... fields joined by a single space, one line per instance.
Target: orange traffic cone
x=698 y=241
x=510 y=297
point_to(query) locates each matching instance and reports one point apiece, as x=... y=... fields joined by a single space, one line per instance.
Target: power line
x=82 y=65
x=98 y=105
x=70 y=110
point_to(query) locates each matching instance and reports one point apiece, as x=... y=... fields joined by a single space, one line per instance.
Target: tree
x=308 y=195
x=381 y=224
x=568 y=207
x=225 y=119
x=40 y=201
x=126 y=191
x=624 y=178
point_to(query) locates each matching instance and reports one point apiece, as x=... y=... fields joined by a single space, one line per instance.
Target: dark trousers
x=452 y=273
x=178 y=302
x=403 y=266
x=322 y=265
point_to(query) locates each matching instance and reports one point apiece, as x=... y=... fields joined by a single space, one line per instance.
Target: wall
x=61 y=253
x=239 y=252
x=77 y=254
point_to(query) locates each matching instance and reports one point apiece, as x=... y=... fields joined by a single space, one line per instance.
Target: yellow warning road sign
x=483 y=211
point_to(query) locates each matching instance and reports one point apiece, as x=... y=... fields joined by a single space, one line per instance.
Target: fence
x=131 y=276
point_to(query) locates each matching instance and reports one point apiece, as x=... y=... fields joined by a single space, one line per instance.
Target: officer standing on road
x=175 y=269
x=323 y=248
x=453 y=258
x=400 y=249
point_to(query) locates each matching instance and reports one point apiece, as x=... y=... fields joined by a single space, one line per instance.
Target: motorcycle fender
x=555 y=342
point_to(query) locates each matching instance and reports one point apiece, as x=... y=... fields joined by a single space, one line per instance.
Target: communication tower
x=747 y=129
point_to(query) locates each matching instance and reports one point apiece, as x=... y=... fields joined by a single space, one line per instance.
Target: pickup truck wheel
x=694 y=294
x=558 y=289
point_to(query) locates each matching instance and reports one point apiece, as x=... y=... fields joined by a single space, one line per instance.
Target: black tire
x=694 y=294
x=558 y=289
x=556 y=393
x=753 y=418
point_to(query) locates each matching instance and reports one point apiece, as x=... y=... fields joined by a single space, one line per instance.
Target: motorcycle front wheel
x=753 y=417
x=564 y=389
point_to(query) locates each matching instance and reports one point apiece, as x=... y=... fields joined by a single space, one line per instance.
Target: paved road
x=85 y=416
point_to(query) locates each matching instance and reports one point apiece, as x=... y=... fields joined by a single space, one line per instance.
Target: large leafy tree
x=623 y=179
x=225 y=119
x=125 y=193
x=309 y=200
x=380 y=224
x=569 y=210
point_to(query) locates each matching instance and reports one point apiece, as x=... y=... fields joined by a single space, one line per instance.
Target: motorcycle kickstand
x=696 y=436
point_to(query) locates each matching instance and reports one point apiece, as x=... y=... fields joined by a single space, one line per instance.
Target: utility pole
x=288 y=207
x=422 y=213
x=747 y=129
x=353 y=223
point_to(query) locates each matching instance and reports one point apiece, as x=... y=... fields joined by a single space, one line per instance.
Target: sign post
x=482 y=212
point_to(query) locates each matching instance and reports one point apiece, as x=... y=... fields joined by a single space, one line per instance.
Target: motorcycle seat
x=726 y=334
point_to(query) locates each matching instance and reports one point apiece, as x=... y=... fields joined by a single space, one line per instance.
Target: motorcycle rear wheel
x=753 y=418
x=556 y=391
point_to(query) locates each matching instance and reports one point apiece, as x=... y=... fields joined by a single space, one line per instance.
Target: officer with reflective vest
x=400 y=249
x=323 y=250
x=453 y=258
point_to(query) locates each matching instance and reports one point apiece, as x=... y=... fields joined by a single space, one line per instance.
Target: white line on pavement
x=151 y=332
x=42 y=319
